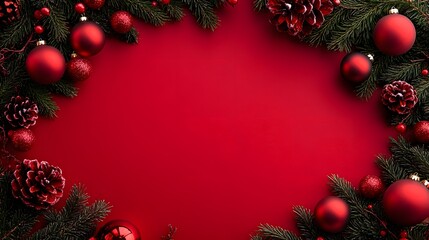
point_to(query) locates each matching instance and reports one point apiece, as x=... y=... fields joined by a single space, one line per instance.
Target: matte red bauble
x=79 y=69
x=94 y=4
x=394 y=34
x=331 y=214
x=119 y=230
x=21 y=139
x=421 y=132
x=356 y=67
x=121 y=21
x=87 y=39
x=406 y=202
x=371 y=186
x=45 y=64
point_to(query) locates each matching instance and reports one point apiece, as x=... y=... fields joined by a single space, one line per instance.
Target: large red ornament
x=45 y=64
x=94 y=4
x=394 y=34
x=406 y=202
x=87 y=39
x=79 y=69
x=121 y=21
x=371 y=186
x=331 y=214
x=421 y=132
x=21 y=139
x=356 y=67
x=119 y=230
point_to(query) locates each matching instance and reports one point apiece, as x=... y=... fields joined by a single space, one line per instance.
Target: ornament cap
x=415 y=177
x=73 y=55
x=83 y=19
x=40 y=42
x=370 y=57
x=393 y=10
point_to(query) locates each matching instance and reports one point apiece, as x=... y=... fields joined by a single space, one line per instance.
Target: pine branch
x=267 y=230
x=204 y=13
x=259 y=5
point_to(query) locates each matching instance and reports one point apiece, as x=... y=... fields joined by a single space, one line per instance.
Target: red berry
x=370 y=207
x=38 y=14
x=79 y=8
x=39 y=29
x=154 y=3
x=425 y=72
x=403 y=234
x=401 y=128
x=232 y=2
x=403 y=239
x=383 y=233
x=336 y=2
x=165 y=2
x=45 y=11
x=320 y=238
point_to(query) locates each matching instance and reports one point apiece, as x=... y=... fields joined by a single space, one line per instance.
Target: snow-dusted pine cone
x=38 y=185
x=399 y=97
x=21 y=112
x=299 y=17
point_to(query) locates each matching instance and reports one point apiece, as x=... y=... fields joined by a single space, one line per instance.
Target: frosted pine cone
x=299 y=17
x=399 y=97
x=38 y=185
x=21 y=112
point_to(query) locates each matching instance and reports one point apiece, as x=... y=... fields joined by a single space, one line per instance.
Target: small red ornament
x=232 y=2
x=165 y=2
x=383 y=233
x=79 y=8
x=331 y=214
x=38 y=15
x=21 y=139
x=371 y=186
x=356 y=67
x=425 y=72
x=94 y=4
x=45 y=64
x=39 y=29
x=403 y=239
x=394 y=34
x=45 y=11
x=406 y=202
x=120 y=230
x=154 y=3
x=369 y=207
x=401 y=128
x=121 y=21
x=403 y=234
x=79 y=69
x=320 y=238
x=87 y=38
x=421 y=132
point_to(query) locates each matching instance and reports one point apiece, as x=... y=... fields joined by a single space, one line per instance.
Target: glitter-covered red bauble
x=356 y=67
x=87 y=39
x=21 y=139
x=371 y=186
x=421 y=132
x=94 y=4
x=119 y=230
x=394 y=34
x=45 y=64
x=331 y=214
x=406 y=202
x=121 y=21
x=79 y=69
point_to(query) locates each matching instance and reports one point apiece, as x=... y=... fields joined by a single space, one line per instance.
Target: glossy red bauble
x=87 y=39
x=121 y=21
x=406 y=202
x=394 y=34
x=371 y=186
x=94 y=4
x=45 y=64
x=21 y=139
x=421 y=132
x=356 y=67
x=120 y=230
x=331 y=214
x=79 y=69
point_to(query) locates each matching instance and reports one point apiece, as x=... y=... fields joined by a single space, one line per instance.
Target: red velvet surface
x=213 y=132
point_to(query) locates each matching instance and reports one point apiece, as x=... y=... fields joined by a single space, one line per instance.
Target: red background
x=213 y=132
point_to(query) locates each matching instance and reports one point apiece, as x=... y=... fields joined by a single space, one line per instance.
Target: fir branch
x=204 y=13
x=259 y=5
x=304 y=222
x=175 y=11
x=65 y=88
x=267 y=230
x=390 y=171
x=43 y=98
x=141 y=9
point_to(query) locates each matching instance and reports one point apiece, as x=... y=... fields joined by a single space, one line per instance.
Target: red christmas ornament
x=371 y=186
x=394 y=34
x=94 y=4
x=45 y=64
x=87 y=38
x=38 y=15
x=403 y=234
x=232 y=2
x=356 y=67
x=21 y=139
x=45 y=11
x=39 y=29
x=121 y=21
x=154 y=3
x=331 y=214
x=79 y=8
x=165 y=2
x=406 y=202
x=79 y=69
x=119 y=230
x=425 y=72
x=320 y=238
x=421 y=132
x=383 y=233
x=401 y=128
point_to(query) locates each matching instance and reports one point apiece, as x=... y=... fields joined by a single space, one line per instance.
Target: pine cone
x=399 y=97
x=299 y=17
x=21 y=112
x=38 y=185
x=9 y=11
